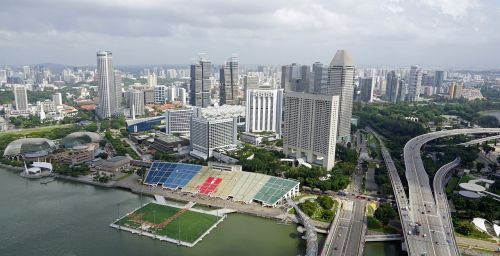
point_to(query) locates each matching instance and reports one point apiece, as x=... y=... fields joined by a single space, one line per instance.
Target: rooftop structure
x=80 y=138
x=225 y=111
x=28 y=145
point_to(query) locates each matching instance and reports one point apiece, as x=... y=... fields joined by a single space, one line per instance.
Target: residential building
x=160 y=94
x=149 y=95
x=439 y=78
x=152 y=80
x=310 y=127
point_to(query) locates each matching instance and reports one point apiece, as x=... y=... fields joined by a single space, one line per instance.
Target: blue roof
x=171 y=175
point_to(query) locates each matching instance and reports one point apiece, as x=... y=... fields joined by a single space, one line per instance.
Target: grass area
x=466 y=178
x=303 y=195
x=376 y=225
x=189 y=226
x=171 y=222
x=452 y=184
x=477 y=235
x=314 y=210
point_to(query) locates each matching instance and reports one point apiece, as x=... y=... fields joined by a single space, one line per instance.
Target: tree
x=327 y=215
x=91 y=127
x=325 y=201
x=385 y=213
x=479 y=166
x=308 y=207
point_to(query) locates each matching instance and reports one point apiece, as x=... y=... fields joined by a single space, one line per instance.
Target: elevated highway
x=432 y=239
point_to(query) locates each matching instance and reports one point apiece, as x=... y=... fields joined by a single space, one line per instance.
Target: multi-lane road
x=348 y=236
x=432 y=238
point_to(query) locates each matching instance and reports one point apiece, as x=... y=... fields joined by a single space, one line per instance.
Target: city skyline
x=446 y=34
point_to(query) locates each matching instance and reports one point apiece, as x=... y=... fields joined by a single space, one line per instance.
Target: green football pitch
x=168 y=221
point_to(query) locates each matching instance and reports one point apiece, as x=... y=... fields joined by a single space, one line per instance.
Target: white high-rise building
x=178 y=120
x=160 y=94
x=21 y=97
x=182 y=96
x=152 y=80
x=171 y=93
x=310 y=127
x=264 y=110
x=136 y=102
x=108 y=100
x=3 y=76
x=414 y=83
x=341 y=82
x=208 y=134
x=57 y=99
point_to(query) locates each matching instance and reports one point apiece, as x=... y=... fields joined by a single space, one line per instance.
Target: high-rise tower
x=21 y=97
x=414 y=83
x=229 y=82
x=199 y=94
x=341 y=82
x=108 y=100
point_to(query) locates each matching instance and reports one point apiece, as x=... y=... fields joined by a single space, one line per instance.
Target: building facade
x=366 y=85
x=178 y=120
x=264 y=110
x=310 y=127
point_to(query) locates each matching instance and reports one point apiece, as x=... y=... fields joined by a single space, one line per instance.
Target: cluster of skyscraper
x=311 y=110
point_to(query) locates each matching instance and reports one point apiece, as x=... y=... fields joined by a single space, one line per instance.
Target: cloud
x=392 y=32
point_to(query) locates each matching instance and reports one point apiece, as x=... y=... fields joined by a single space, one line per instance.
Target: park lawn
x=191 y=226
x=153 y=213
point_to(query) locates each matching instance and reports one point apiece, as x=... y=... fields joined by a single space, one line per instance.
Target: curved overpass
x=433 y=238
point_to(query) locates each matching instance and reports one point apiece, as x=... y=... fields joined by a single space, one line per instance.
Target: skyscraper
x=414 y=83
x=438 y=78
x=21 y=97
x=229 y=82
x=136 y=102
x=319 y=78
x=393 y=87
x=3 y=76
x=57 y=99
x=264 y=110
x=367 y=85
x=108 y=100
x=152 y=80
x=199 y=94
x=341 y=82
x=160 y=94
x=118 y=91
x=310 y=129
x=296 y=78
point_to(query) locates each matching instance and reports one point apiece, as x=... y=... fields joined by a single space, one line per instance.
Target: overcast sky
x=432 y=33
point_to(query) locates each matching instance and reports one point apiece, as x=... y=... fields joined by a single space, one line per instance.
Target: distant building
x=149 y=95
x=57 y=99
x=264 y=110
x=21 y=97
x=295 y=78
x=319 y=78
x=414 y=83
x=310 y=129
x=395 y=88
x=341 y=83
x=143 y=124
x=455 y=90
x=178 y=120
x=439 y=78
x=199 y=94
x=114 y=164
x=160 y=94
x=152 y=80
x=208 y=134
x=229 y=82
x=367 y=85
x=136 y=102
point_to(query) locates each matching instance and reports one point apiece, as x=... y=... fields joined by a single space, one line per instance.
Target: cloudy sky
x=432 y=33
